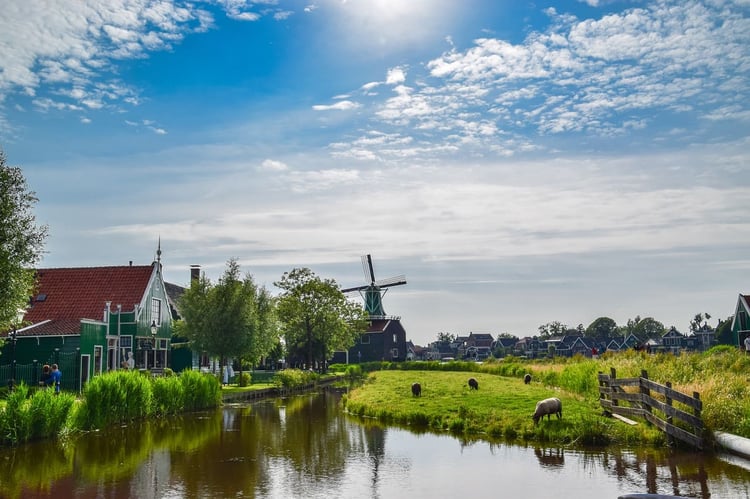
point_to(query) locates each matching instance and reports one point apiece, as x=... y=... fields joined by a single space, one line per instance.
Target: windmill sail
x=373 y=293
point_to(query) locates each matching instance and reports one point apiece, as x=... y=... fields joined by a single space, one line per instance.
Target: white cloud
x=395 y=76
x=273 y=165
x=344 y=105
x=640 y=69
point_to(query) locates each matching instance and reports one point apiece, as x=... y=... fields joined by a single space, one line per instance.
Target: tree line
x=236 y=318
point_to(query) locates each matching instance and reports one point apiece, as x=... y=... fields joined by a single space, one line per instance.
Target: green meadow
x=503 y=405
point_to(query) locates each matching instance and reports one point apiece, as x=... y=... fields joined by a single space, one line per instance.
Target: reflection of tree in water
x=550 y=458
x=665 y=472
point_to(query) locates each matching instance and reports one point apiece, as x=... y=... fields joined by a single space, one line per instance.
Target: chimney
x=195 y=273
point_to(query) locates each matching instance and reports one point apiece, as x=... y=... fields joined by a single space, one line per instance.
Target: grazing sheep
x=527 y=379
x=473 y=384
x=416 y=389
x=547 y=407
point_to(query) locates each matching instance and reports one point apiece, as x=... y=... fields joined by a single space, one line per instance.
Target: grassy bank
x=109 y=399
x=503 y=405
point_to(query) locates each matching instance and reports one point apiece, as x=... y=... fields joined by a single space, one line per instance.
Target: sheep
x=547 y=407
x=527 y=379
x=416 y=389
x=473 y=384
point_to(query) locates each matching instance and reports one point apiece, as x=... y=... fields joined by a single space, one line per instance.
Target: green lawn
x=500 y=409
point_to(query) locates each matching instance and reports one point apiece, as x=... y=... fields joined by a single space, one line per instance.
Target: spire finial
x=158 y=251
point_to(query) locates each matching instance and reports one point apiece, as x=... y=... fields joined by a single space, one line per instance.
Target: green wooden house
x=90 y=320
x=741 y=321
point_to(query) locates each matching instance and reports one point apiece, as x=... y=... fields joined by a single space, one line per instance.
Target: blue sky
x=520 y=162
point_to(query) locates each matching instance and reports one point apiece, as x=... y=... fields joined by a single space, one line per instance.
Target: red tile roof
x=64 y=296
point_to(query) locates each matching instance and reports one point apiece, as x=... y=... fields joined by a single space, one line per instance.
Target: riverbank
x=500 y=409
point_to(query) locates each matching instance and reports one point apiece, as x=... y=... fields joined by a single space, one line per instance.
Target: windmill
x=373 y=293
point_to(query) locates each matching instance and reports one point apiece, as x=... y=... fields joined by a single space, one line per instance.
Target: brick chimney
x=195 y=273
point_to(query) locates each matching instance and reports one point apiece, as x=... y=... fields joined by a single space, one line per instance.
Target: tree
x=21 y=242
x=695 y=324
x=555 y=328
x=723 y=332
x=649 y=327
x=602 y=328
x=447 y=338
x=231 y=318
x=316 y=318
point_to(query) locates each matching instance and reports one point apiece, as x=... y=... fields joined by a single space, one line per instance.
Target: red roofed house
x=89 y=320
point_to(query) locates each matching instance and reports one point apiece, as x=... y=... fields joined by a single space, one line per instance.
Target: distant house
x=384 y=339
x=673 y=340
x=90 y=320
x=741 y=320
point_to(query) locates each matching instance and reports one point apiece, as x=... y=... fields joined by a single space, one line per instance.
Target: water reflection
x=305 y=447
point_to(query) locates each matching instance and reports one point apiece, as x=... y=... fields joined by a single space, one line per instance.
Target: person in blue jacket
x=56 y=378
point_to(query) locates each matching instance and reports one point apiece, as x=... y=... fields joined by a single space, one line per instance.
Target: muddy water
x=305 y=447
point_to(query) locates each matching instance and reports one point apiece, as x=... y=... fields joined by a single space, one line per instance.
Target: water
x=304 y=447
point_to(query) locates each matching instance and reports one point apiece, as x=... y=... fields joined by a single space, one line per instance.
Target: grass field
x=500 y=409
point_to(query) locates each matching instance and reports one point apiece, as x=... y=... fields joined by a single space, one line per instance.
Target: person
x=56 y=378
x=747 y=344
x=130 y=361
x=44 y=380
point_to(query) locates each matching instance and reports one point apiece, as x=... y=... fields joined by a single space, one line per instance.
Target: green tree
x=21 y=242
x=695 y=324
x=723 y=332
x=554 y=328
x=649 y=327
x=447 y=338
x=601 y=328
x=233 y=318
x=315 y=317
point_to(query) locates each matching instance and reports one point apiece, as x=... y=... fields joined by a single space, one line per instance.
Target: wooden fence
x=654 y=403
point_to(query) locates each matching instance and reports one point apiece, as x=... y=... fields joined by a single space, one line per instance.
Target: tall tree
x=602 y=328
x=21 y=242
x=554 y=328
x=695 y=324
x=648 y=327
x=316 y=318
x=233 y=318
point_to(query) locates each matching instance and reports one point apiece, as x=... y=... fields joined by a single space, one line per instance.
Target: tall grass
x=109 y=399
x=28 y=417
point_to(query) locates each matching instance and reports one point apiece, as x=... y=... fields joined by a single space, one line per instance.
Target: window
x=394 y=353
x=126 y=341
x=97 y=359
x=395 y=338
x=156 y=311
x=365 y=339
x=162 y=344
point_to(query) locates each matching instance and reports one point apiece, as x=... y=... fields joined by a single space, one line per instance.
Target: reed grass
x=113 y=398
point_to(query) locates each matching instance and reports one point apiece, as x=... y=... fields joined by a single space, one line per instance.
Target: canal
x=305 y=447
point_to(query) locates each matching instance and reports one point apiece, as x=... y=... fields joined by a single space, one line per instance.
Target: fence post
x=697 y=413
x=645 y=392
x=669 y=416
x=612 y=377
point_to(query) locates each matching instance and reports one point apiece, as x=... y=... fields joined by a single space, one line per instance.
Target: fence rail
x=30 y=374
x=642 y=403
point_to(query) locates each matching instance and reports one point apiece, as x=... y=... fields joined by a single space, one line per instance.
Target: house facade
x=90 y=320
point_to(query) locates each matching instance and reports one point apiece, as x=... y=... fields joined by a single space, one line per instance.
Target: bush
x=244 y=379
x=294 y=378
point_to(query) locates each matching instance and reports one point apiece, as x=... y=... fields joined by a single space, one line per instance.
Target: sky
x=520 y=162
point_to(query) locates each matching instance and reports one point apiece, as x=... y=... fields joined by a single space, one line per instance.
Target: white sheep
x=546 y=407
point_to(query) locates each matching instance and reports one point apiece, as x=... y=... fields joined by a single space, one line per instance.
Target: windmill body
x=373 y=293
x=385 y=337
